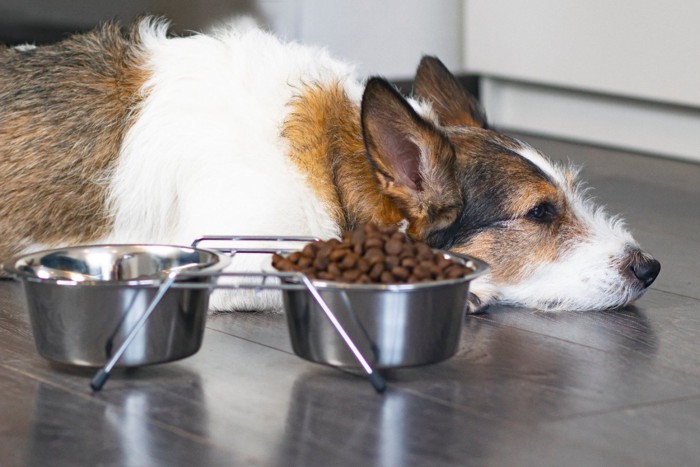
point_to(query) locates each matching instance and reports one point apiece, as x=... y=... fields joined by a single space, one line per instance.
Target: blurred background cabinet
x=623 y=73
x=386 y=37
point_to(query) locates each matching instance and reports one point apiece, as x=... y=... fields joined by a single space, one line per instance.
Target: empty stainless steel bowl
x=393 y=326
x=84 y=300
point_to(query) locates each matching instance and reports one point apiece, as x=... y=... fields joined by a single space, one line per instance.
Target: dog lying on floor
x=131 y=136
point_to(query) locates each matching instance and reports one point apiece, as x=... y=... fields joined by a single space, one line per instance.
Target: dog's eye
x=543 y=212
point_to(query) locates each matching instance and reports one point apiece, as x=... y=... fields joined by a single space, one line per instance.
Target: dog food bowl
x=84 y=301
x=392 y=326
x=133 y=305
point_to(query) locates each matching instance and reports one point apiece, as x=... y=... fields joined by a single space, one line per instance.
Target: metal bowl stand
x=287 y=281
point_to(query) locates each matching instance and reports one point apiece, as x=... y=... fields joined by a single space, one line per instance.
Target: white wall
x=637 y=48
x=623 y=73
x=383 y=37
x=66 y=12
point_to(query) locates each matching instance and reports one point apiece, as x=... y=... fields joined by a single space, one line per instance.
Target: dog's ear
x=452 y=103
x=414 y=162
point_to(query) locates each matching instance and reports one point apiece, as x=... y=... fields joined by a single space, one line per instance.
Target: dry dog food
x=371 y=254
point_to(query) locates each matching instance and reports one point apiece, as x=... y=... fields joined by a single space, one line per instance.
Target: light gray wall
x=67 y=12
x=185 y=14
x=385 y=37
x=621 y=73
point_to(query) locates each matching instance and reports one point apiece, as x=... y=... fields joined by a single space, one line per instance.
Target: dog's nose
x=645 y=268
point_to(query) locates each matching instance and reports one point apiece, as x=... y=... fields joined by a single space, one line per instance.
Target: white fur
x=588 y=275
x=537 y=158
x=210 y=130
x=205 y=155
x=25 y=47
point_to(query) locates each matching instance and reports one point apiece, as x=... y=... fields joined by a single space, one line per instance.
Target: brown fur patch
x=380 y=164
x=64 y=109
x=453 y=105
x=414 y=161
x=503 y=249
x=325 y=139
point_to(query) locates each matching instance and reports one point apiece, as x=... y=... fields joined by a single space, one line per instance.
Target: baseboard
x=641 y=126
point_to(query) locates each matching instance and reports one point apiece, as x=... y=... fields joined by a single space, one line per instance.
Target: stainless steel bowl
x=83 y=301
x=392 y=325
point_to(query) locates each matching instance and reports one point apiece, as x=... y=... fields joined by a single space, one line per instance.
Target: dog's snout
x=644 y=267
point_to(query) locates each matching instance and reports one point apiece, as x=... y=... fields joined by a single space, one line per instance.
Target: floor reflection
x=532 y=365
x=133 y=427
x=390 y=429
x=626 y=330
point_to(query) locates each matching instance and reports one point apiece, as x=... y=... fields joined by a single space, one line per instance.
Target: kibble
x=371 y=254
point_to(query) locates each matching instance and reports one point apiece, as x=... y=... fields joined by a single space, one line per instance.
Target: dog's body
x=135 y=137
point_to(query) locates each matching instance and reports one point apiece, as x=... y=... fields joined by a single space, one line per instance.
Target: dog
x=133 y=136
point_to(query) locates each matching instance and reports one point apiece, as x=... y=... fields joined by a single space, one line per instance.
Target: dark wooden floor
x=526 y=388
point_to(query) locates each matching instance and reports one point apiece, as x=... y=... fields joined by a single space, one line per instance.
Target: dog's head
x=464 y=187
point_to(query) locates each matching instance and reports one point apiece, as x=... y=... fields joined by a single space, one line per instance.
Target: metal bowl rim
x=221 y=261
x=479 y=268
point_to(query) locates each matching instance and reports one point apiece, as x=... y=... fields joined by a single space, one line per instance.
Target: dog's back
x=132 y=136
x=64 y=110
x=122 y=135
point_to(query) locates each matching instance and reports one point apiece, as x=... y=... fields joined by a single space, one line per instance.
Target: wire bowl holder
x=367 y=326
x=301 y=282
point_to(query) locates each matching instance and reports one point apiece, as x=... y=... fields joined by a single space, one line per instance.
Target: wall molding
x=630 y=124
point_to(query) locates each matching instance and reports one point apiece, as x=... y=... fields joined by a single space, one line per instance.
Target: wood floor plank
x=570 y=363
x=46 y=425
x=662 y=328
x=528 y=377
x=242 y=401
x=268 y=327
x=503 y=381
x=654 y=435
x=526 y=388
